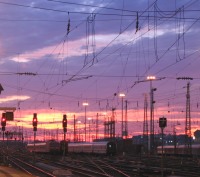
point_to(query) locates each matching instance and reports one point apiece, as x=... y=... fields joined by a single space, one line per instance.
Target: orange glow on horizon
x=51 y=121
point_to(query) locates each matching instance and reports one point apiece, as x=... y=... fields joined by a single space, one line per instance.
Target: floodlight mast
x=151 y=133
x=85 y=104
x=122 y=95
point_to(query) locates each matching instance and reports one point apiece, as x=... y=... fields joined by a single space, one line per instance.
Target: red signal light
x=3 y=121
x=35 y=121
x=64 y=122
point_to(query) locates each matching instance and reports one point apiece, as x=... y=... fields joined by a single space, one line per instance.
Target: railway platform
x=6 y=171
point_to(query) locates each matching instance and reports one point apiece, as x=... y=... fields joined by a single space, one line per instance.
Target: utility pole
x=126 y=121
x=112 y=124
x=122 y=95
x=85 y=104
x=188 y=140
x=97 y=126
x=175 y=141
x=145 y=124
x=89 y=119
x=74 y=128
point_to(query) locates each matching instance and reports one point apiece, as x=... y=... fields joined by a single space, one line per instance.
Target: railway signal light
x=3 y=121
x=162 y=125
x=35 y=121
x=64 y=122
x=162 y=122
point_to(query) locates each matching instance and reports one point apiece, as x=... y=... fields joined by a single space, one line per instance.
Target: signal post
x=3 y=124
x=162 y=125
x=35 y=121
x=3 y=127
x=64 y=124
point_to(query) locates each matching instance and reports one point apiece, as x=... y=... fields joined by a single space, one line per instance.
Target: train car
x=51 y=146
x=80 y=147
x=180 y=150
x=104 y=147
x=168 y=150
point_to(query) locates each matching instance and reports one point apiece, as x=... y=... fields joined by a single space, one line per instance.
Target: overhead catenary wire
x=88 y=13
x=99 y=76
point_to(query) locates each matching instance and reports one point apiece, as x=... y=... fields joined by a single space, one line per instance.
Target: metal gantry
x=109 y=126
x=188 y=141
x=188 y=135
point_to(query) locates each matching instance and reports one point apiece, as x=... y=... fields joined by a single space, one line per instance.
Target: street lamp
x=74 y=128
x=151 y=138
x=122 y=95
x=151 y=77
x=79 y=122
x=89 y=127
x=85 y=104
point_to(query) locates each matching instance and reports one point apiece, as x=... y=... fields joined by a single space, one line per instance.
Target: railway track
x=86 y=167
x=102 y=166
x=98 y=165
x=29 y=168
x=113 y=170
x=183 y=167
x=91 y=166
x=79 y=170
x=46 y=166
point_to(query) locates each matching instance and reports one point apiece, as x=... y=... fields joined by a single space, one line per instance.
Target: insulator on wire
x=137 y=24
x=68 y=25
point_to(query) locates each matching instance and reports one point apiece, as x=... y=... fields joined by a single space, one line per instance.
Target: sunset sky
x=57 y=54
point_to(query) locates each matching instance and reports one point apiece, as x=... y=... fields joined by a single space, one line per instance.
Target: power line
x=111 y=8
x=88 y=13
x=34 y=7
x=87 y=5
